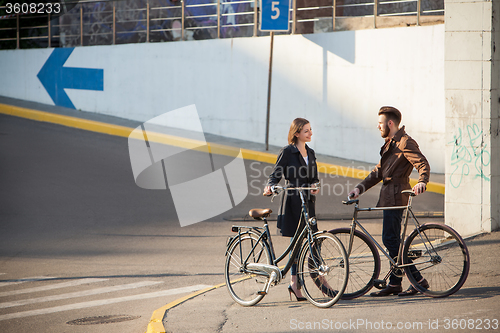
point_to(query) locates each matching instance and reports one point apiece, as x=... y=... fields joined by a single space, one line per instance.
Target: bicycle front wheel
x=364 y=262
x=440 y=256
x=243 y=286
x=323 y=270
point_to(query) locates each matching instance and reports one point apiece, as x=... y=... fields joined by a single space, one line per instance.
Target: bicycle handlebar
x=412 y=194
x=277 y=189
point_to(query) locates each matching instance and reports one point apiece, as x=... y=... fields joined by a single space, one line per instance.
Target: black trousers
x=391 y=233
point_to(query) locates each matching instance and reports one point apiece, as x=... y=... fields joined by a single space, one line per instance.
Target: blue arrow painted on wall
x=55 y=78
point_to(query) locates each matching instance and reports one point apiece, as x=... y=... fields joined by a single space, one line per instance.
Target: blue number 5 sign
x=275 y=15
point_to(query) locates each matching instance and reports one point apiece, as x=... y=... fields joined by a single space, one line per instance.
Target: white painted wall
x=337 y=80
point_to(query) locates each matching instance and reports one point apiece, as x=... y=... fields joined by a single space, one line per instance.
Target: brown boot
x=412 y=291
x=389 y=290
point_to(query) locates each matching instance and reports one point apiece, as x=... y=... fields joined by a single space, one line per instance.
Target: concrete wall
x=337 y=80
x=472 y=74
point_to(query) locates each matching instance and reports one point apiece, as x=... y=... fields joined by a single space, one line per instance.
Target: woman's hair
x=296 y=127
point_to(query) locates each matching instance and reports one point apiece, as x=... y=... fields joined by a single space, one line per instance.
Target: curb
x=123 y=131
x=156 y=322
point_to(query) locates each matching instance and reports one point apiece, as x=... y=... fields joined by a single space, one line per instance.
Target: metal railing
x=109 y=22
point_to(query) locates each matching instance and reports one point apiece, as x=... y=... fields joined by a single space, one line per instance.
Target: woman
x=297 y=164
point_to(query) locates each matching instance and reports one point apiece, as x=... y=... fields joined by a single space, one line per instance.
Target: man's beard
x=386 y=131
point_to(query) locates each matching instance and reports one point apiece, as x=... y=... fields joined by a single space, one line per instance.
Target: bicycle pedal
x=379 y=284
x=262 y=292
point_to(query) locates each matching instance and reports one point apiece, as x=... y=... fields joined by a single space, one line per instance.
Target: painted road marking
x=51 y=287
x=19 y=281
x=79 y=294
x=90 y=304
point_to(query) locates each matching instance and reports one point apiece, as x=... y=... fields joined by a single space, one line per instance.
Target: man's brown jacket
x=398 y=158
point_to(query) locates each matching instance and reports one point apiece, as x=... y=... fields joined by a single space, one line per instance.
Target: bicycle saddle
x=258 y=213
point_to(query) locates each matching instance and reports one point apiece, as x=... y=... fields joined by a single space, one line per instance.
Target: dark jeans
x=391 y=233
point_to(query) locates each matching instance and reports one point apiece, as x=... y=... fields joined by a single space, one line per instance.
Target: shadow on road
x=367 y=301
x=461 y=295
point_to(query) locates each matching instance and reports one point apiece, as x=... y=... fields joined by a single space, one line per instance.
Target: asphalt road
x=79 y=239
x=70 y=211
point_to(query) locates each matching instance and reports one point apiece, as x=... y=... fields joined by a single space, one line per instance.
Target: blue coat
x=291 y=166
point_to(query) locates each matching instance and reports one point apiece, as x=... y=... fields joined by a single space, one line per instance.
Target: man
x=399 y=155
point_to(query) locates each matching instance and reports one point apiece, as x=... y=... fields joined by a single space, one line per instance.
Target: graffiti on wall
x=469 y=155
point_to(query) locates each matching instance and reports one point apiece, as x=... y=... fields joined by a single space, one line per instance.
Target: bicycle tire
x=364 y=262
x=440 y=255
x=323 y=270
x=244 y=287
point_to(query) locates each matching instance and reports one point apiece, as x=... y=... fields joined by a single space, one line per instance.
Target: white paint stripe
x=31 y=279
x=102 y=302
x=82 y=293
x=51 y=287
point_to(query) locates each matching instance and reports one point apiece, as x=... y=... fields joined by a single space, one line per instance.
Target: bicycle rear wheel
x=323 y=270
x=364 y=262
x=242 y=286
x=440 y=255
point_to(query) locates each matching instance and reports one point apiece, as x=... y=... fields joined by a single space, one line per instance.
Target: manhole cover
x=101 y=320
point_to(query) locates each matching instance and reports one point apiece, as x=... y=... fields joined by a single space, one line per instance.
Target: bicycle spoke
x=323 y=270
x=364 y=262
x=439 y=255
x=244 y=286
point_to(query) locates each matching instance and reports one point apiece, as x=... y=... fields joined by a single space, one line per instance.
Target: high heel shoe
x=299 y=299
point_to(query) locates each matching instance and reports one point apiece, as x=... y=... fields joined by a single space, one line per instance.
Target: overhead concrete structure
x=472 y=33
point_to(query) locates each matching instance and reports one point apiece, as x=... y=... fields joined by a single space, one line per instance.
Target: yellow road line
x=156 y=322
x=88 y=125
x=123 y=131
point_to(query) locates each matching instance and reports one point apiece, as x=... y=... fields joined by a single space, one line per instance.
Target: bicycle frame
x=355 y=223
x=419 y=256
x=303 y=231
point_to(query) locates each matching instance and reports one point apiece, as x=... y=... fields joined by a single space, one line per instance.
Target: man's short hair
x=391 y=113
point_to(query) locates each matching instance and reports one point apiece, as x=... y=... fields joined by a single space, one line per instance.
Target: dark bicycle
x=251 y=266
